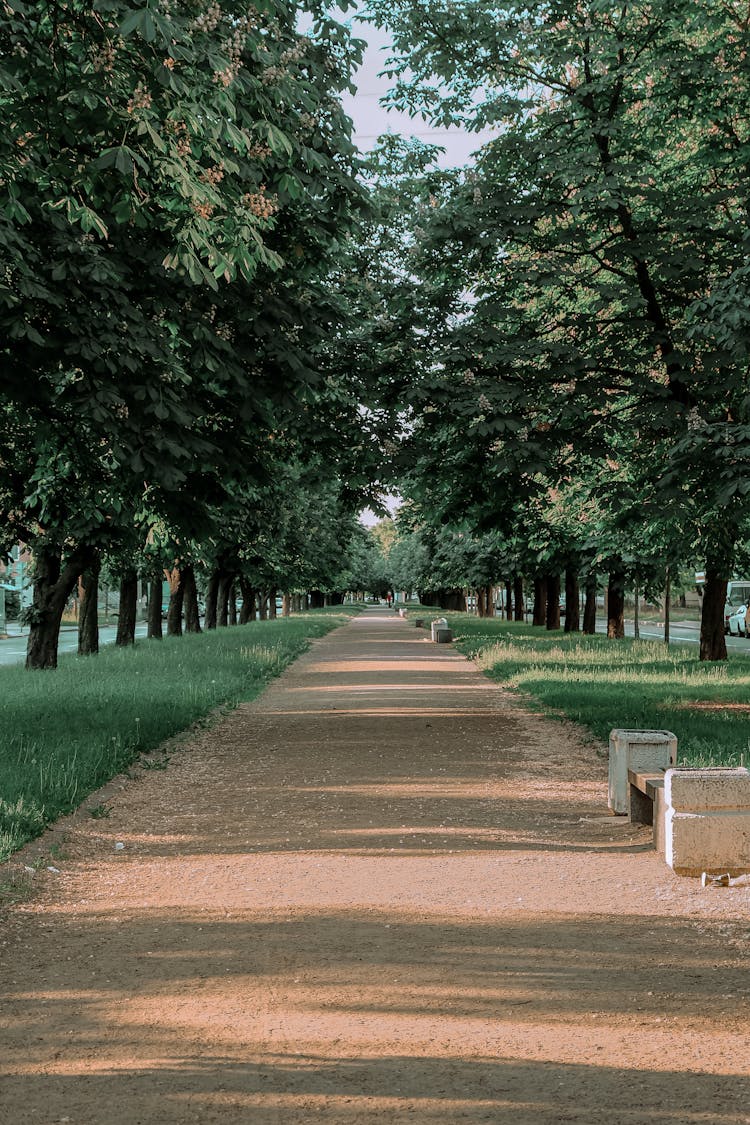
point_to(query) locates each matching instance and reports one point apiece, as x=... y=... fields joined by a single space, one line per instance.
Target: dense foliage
x=593 y=265
x=175 y=181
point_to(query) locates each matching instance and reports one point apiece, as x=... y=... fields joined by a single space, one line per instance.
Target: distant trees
x=594 y=261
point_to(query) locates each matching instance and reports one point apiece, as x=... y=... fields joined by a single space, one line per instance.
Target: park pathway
x=383 y=892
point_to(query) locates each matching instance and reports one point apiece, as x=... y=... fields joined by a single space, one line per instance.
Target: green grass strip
x=65 y=733
x=603 y=684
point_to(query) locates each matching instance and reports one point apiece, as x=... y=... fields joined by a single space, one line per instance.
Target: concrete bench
x=637 y=750
x=700 y=817
x=440 y=632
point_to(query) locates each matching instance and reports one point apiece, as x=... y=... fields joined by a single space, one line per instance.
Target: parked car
x=737 y=623
x=738 y=598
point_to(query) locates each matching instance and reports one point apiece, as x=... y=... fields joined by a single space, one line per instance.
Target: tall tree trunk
x=263 y=605
x=553 y=601
x=190 y=600
x=518 y=606
x=540 y=601
x=481 y=610
x=176 y=602
x=272 y=603
x=667 y=606
x=247 y=613
x=232 y=603
x=212 y=597
x=508 y=600
x=286 y=605
x=88 y=615
x=155 y=588
x=589 y=606
x=616 y=604
x=128 y=603
x=53 y=585
x=572 y=598
x=222 y=600
x=713 y=644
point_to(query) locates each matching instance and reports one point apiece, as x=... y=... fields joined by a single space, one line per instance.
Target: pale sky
x=370 y=119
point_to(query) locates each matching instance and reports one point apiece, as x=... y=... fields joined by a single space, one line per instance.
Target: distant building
x=15 y=578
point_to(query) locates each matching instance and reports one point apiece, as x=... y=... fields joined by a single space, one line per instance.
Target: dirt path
x=381 y=893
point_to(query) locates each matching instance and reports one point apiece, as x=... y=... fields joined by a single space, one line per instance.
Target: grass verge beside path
x=65 y=733
x=604 y=684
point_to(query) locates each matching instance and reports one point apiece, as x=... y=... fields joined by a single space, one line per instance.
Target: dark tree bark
x=154 y=608
x=128 y=603
x=572 y=597
x=553 y=601
x=263 y=605
x=316 y=599
x=508 y=600
x=540 y=601
x=589 y=607
x=212 y=597
x=247 y=613
x=616 y=604
x=88 y=614
x=222 y=600
x=232 y=603
x=713 y=645
x=481 y=610
x=272 y=603
x=286 y=605
x=176 y=603
x=53 y=585
x=190 y=600
x=518 y=606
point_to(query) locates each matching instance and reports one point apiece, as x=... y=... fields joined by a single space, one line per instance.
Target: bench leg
x=641 y=807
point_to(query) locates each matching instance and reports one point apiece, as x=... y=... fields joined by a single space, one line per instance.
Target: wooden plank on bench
x=644 y=787
x=647 y=782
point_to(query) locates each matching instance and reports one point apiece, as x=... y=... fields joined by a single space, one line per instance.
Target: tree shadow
x=338 y=1016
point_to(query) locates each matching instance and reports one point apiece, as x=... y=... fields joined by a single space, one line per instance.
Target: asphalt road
x=13 y=650
x=680 y=632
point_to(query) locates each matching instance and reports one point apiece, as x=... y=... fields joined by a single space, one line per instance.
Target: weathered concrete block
x=709 y=830
x=438 y=623
x=443 y=636
x=636 y=750
x=701 y=790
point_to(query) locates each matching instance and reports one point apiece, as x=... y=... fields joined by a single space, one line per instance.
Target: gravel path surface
x=383 y=892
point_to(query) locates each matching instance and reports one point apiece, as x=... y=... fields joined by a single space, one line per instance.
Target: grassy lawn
x=604 y=684
x=67 y=732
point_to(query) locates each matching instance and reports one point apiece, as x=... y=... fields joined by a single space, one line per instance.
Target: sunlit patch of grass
x=604 y=684
x=66 y=732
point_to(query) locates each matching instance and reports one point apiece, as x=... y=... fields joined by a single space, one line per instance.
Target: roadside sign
x=700 y=577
